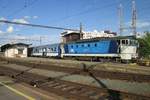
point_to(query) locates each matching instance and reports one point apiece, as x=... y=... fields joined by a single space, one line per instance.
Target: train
x=122 y=48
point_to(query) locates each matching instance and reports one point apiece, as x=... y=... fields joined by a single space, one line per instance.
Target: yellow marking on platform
x=44 y=95
x=17 y=92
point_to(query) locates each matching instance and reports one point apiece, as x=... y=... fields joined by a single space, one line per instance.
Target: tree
x=144 y=48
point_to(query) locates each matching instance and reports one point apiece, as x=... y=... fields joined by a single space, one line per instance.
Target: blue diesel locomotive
x=123 y=48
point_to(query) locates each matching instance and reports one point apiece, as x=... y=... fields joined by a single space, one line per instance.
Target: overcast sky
x=94 y=15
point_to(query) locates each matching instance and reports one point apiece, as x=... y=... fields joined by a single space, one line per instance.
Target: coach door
x=44 y=52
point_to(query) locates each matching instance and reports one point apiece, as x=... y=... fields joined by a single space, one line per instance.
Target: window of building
x=82 y=45
x=20 y=51
x=71 y=46
x=88 y=45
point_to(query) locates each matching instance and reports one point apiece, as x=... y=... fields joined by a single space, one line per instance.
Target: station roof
x=6 y=46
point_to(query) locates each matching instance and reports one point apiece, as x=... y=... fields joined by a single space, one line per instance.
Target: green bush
x=144 y=48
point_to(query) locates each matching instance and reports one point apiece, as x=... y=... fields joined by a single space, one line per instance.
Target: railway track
x=132 y=77
x=70 y=90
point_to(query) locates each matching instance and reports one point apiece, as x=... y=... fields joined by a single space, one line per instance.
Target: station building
x=69 y=36
x=98 y=34
x=15 y=50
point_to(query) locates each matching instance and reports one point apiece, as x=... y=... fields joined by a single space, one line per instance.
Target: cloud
x=140 y=24
x=30 y=17
x=21 y=20
x=10 y=29
x=1 y=32
x=3 y=18
x=35 y=17
x=27 y=17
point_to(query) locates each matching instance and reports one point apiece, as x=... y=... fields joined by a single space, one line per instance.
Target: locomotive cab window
x=123 y=42
x=118 y=42
x=127 y=42
x=133 y=42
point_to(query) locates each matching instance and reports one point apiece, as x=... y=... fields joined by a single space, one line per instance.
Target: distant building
x=69 y=36
x=15 y=50
x=96 y=34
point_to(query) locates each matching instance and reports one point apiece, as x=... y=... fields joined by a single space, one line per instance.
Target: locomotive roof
x=104 y=38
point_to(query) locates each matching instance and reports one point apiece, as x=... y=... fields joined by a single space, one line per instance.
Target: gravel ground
x=132 y=87
x=115 y=67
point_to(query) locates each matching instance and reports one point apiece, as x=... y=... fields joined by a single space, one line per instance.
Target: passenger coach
x=51 y=50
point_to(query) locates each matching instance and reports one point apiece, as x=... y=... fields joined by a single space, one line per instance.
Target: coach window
x=40 y=50
x=51 y=49
x=36 y=50
x=95 y=45
x=82 y=45
x=71 y=46
x=76 y=46
x=55 y=49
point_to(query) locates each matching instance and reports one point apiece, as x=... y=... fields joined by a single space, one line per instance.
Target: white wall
x=95 y=34
x=128 y=52
x=13 y=52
